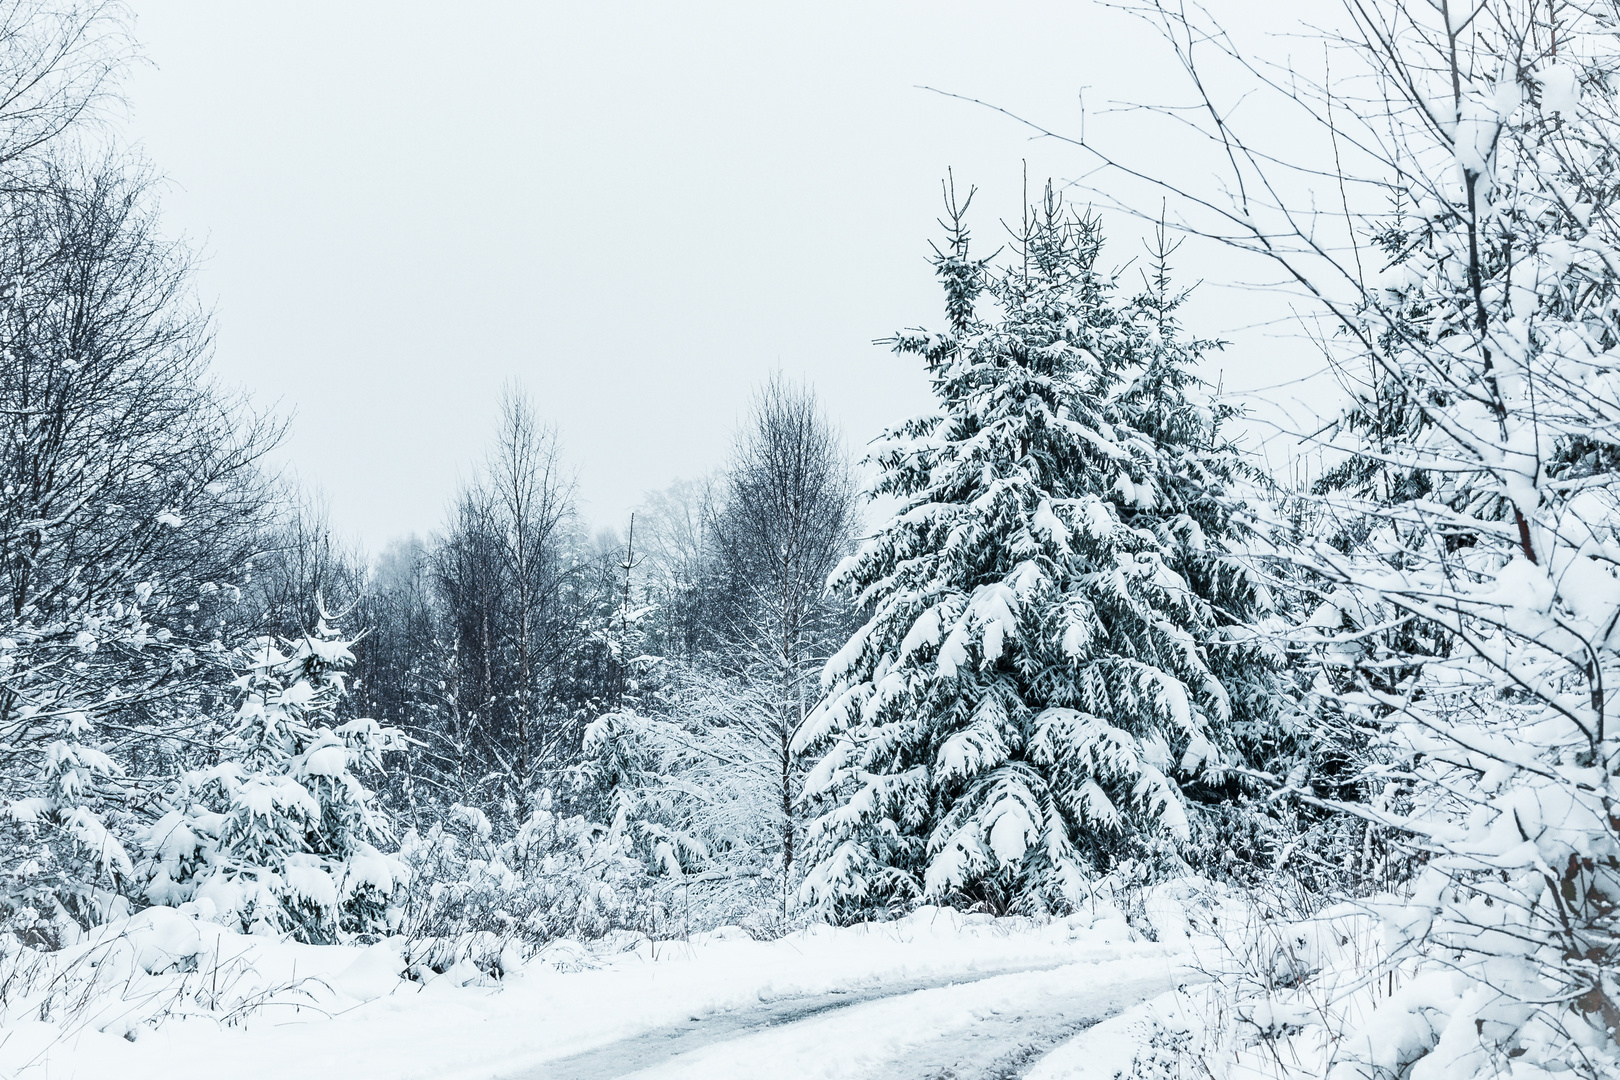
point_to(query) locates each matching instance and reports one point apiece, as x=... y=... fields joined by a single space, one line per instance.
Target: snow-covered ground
x=1136 y=1040
x=936 y=994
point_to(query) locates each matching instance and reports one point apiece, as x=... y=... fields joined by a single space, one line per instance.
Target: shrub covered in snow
x=482 y=898
x=280 y=836
x=1471 y=604
x=132 y=974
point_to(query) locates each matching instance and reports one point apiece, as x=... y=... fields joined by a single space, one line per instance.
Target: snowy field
x=937 y=994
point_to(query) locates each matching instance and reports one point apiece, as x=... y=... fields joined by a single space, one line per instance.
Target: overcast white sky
x=639 y=210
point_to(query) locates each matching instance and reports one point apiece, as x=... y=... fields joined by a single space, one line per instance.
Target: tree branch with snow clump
x=1469 y=261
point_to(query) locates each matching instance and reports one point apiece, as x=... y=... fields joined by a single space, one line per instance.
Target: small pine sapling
x=280 y=836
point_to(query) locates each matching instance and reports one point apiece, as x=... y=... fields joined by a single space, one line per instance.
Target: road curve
x=983 y=1025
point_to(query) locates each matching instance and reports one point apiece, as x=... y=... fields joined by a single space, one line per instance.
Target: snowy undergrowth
x=1279 y=979
x=1164 y=1039
x=163 y=994
x=1288 y=999
x=481 y=897
x=131 y=976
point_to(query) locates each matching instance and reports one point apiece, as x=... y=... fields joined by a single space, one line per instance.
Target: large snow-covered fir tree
x=281 y=837
x=1204 y=522
x=1038 y=674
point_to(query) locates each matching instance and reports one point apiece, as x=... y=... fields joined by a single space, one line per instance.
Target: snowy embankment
x=161 y=995
x=1158 y=1039
x=1285 y=1000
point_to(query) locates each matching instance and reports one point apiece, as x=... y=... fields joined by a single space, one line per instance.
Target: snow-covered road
x=941 y=1028
x=936 y=995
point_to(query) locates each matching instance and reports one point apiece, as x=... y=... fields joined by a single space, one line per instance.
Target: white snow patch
x=313 y=1011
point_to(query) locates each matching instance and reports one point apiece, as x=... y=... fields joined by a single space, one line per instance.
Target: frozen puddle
x=991 y=1025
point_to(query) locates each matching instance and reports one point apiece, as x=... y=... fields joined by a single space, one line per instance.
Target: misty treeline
x=1079 y=639
x=637 y=678
x=207 y=700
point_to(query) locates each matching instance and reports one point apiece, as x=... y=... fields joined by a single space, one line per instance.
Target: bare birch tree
x=789 y=515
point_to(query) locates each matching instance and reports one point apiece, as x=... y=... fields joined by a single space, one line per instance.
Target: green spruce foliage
x=1055 y=646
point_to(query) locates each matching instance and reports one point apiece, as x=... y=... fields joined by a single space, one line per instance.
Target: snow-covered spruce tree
x=281 y=837
x=1036 y=675
x=1480 y=283
x=65 y=817
x=1206 y=527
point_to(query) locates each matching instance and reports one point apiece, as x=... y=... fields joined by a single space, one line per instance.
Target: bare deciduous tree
x=60 y=62
x=133 y=498
x=789 y=515
x=531 y=499
x=675 y=566
x=500 y=572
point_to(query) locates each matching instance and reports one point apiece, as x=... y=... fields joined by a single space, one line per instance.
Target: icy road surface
x=990 y=1026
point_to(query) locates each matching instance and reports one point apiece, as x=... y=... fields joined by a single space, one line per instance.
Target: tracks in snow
x=971 y=1026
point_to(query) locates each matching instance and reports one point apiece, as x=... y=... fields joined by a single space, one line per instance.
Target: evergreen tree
x=1036 y=676
x=281 y=837
x=64 y=826
x=1204 y=523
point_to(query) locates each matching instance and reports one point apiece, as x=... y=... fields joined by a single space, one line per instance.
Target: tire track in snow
x=639 y=1052
x=1005 y=1047
x=967 y=1026
x=1011 y=1031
